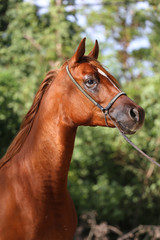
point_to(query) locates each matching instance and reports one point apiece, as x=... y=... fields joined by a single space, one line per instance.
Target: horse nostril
x=134 y=114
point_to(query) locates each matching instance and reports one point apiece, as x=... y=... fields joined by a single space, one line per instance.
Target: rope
x=130 y=142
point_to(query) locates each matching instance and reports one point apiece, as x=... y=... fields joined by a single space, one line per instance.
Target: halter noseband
x=104 y=110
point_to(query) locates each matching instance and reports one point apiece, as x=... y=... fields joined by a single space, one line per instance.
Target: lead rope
x=129 y=141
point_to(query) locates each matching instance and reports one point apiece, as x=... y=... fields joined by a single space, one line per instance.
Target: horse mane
x=28 y=120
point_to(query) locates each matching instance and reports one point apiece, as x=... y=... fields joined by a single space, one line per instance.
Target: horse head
x=101 y=86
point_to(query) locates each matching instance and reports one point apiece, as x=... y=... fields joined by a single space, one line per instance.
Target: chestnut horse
x=34 y=201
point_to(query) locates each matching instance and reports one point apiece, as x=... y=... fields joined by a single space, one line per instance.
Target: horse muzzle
x=128 y=117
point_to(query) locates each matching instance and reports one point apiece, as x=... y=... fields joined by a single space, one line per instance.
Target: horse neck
x=49 y=146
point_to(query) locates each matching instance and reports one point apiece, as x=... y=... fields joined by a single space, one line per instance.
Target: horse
x=35 y=203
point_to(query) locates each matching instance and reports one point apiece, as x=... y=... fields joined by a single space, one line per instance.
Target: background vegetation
x=106 y=175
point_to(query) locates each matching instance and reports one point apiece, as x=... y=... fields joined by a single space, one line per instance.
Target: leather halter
x=105 y=110
x=106 y=113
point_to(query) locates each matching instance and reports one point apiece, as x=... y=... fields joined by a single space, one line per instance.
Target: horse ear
x=95 y=51
x=80 y=52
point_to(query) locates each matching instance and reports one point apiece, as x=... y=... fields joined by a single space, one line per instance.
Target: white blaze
x=105 y=75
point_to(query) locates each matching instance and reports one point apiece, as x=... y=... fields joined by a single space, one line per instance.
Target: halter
x=104 y=110
x=106 y=113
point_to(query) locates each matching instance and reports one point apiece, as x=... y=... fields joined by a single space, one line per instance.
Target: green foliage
x=123 y=24
x=9 y=104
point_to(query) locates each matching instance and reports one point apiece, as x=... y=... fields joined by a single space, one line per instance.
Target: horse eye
x=91 y=83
